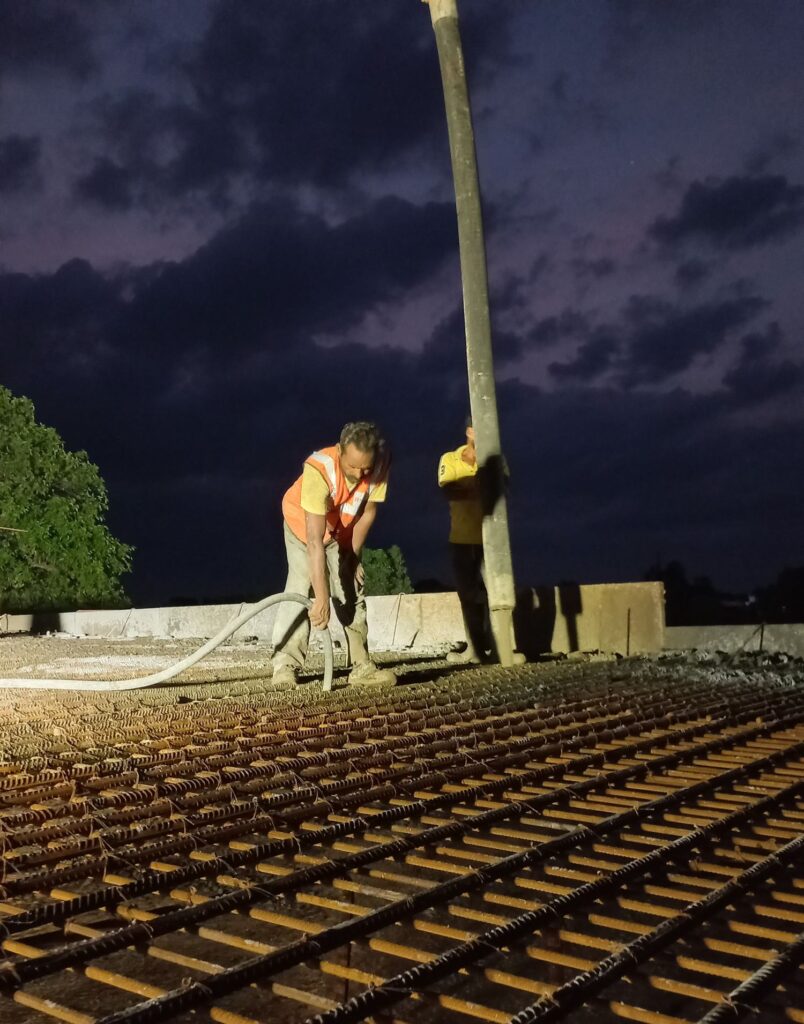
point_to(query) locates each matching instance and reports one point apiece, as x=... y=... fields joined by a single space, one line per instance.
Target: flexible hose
x=169 y=673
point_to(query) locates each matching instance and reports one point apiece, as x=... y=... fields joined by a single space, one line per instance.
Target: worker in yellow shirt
x=457 y=477
x=328 y=513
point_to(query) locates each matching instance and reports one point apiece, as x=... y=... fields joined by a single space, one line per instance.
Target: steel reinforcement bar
x=571 y=995
x=328 y=801
x=574 y=993
x=263 y=966
x=19 y=883
x=241 y=898
x=152 y=879
x=743 y=999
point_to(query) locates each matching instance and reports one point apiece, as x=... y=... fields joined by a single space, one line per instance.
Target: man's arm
x=457 y=477
x=362 y=527
x=316 y=527
x=359 y=534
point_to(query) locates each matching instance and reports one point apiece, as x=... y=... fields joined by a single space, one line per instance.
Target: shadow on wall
x=45 y=622
x=535 y=618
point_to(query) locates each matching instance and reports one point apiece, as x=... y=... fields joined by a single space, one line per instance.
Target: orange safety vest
x=345 y=504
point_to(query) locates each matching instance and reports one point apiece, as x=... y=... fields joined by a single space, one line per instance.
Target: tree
x=783 y=601
x=386 y=572
x=56 y=551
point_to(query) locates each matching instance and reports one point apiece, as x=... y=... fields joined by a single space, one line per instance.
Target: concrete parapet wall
x=781 y=637
x=627 y=618
x=621 y=618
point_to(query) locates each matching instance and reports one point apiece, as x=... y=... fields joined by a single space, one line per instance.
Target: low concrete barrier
x=621 y=618
x=774 y=638
x=627 y=618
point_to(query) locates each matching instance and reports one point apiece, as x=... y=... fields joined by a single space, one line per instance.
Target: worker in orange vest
x=328 y=513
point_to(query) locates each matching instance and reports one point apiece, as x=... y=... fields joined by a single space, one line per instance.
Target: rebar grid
x=304 y=849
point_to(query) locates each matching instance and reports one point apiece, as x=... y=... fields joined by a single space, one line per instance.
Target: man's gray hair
x=364 y=436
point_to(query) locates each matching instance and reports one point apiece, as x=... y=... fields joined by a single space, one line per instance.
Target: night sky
x=228 y=227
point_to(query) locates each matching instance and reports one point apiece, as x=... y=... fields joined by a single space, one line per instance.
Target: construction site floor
x=592 y=840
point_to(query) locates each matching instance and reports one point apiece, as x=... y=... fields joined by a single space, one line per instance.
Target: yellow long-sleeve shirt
x=465 y=510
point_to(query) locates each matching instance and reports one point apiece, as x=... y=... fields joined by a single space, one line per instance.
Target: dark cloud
x=19 y=163
x=584 y=268
x=552 y=329
x=669 y=177
x=199 y=384
x=623 y=478
x=139 y=129
x=46 y=37
x=594 y=357
x=232 y=325
x=665 y=339
x=510 y=295
x=197 y=448
x=272 y=103
x=779 y=146
x=445 y=351
x=758 y=377
x=691 y=273
x=277 y=276
x=735 y=213
x=54 y=319
x=654 y=340
x=107 y=184
x=541 y=266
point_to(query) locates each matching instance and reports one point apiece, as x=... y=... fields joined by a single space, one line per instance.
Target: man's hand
x=319 y=613
x=360 y=574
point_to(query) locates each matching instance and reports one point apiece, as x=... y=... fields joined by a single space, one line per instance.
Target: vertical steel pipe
x=480 y=364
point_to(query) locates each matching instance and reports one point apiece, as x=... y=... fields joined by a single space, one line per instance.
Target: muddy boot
x=285 y=677
x=368 y=674
x=468 y=656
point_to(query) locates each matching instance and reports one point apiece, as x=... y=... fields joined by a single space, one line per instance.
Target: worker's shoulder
x=453 y=455
x=446 y=461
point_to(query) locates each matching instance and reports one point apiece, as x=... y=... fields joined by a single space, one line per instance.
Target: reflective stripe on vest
x=340 y=517
x=329 y=466
x=342 y=513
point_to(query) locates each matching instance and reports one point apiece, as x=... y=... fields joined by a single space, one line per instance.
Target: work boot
x=468 y=656
x=285 y=676
x=368 y=674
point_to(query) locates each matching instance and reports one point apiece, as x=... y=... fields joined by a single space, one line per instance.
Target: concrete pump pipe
x=169 y=673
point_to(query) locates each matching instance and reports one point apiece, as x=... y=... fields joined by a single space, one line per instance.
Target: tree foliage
x=55 y=549
x=386 y=572
x=783 y=601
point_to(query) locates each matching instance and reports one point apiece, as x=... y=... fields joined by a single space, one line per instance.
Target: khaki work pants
x=291 y=634
x=470 y=582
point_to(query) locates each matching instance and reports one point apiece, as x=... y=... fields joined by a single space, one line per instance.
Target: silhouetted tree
x=692 y=604
x=386 y=572
x=783 y=601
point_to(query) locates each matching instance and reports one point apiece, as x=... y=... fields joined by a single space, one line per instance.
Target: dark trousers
x=469 y=570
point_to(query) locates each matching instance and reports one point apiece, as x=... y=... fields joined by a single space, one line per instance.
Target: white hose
x=168 y=673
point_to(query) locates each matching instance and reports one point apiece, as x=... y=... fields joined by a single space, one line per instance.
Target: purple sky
x=228 y=227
